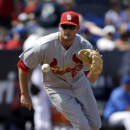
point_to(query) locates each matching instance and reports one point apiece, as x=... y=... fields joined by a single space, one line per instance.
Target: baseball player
x=66 y=83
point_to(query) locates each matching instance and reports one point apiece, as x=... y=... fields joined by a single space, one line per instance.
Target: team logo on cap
x=69 y=17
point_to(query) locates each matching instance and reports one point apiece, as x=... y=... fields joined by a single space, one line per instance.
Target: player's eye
x=65 y=26
x=72 y=27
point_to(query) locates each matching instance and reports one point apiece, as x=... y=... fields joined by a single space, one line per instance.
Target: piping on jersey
x=56 y=68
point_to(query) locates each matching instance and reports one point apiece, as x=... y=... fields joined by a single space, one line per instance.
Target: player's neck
x=65 y=43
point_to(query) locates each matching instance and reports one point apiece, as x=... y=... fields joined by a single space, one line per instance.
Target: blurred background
x=105 y=23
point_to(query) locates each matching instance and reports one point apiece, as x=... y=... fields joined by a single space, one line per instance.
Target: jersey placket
x=65 y=63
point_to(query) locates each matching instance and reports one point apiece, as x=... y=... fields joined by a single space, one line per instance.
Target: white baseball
x=45 y=67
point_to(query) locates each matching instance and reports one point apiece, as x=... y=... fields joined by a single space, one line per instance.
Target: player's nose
x=67 y=30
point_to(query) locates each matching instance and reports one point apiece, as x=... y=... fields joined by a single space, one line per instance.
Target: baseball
x=45 y=67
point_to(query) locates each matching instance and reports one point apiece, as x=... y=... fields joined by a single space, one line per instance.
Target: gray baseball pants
x=78 y=106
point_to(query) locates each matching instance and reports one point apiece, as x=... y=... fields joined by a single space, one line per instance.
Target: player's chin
x=68 y=38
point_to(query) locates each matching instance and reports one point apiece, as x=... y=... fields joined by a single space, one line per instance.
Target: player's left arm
x=92 y=77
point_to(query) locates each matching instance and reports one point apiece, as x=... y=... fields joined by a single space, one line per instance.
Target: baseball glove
x=92 y=59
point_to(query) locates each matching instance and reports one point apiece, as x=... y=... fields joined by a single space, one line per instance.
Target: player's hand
x=26 y=101
x=92 y=59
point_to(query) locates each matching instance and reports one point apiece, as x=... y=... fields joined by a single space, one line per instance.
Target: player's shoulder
x=47 y=39
x=117 y=92
x=82 y=40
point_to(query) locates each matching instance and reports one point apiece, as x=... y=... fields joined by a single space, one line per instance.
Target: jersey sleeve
x=22 y=66
x=31 y=57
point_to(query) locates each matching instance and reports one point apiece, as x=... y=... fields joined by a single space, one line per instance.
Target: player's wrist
x=24 y=93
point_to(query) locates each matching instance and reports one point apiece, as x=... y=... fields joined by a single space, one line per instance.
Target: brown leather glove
x=92 y=59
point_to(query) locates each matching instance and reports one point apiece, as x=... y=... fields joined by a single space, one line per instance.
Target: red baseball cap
x=69 y=17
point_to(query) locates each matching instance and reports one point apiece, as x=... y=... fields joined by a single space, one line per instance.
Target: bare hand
x=26 y=101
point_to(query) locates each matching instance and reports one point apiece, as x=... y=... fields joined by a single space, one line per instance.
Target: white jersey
x=67 y=68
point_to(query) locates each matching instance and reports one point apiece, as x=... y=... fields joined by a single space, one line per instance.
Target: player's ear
x=59 y=27
x=78 y=28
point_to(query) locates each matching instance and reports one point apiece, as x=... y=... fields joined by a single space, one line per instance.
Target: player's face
x=127 y=87
x=68 y=31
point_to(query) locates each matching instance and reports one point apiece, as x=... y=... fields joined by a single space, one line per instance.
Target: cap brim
x=71 y=23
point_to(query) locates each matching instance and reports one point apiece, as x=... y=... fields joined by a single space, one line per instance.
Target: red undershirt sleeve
x=86 y=72
x=22 y=66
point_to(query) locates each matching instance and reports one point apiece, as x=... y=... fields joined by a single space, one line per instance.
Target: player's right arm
x=29 y=59
x=23 y=81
